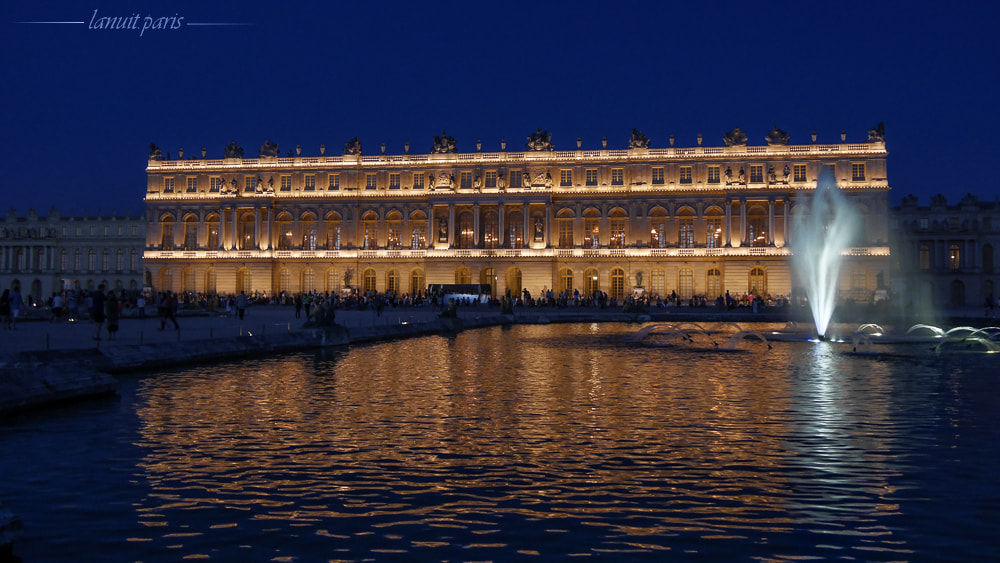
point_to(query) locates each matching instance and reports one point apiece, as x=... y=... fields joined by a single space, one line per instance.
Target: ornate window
x=392 y=281
x=685 y=283
x=713 y=283
x=284 y=280
x=310 y=183
x=758 y=282
x=954 y=256
x=685 y=174
x=591 y=282
x=565 y=177
x=591 y=176
x=858 y=171
x=713 y=231
x=685 y=222
x=617 y=176
x=333 y=183
x=418 y=181
x=491 y=178
x=756 y=173
x=286 y=183
x=657 y=277
x=565 y=232
x=466 y=180
x=416 y=281
x=657 y=174
x=566 y=280
x=394 y=182
x=192 y=185
x=371 y=181
x=799 y=172
x=168 y=185
x=617 y=283
x=463 y=276
x=713 y=175
x=368 y=281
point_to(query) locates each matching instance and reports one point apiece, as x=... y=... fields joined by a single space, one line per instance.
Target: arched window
x=954 y=256
x=713 y=283
x=333 y=231
x=491 y=230
x=248 y=238
x=394 y=230
x=462 y=275
x=488 y=276
x=564 y=220
x=210 y=280
x=308 y=231
x=368 y=281
x=416 y=281
x=591 y=229
x=618 y=221
x=685 y=283
x=514 y=281
x=713 y=228
x=308 y=280
x=465 y=230
x=657 y=282
x=617 y=283
x=758 y=282
x=284 y=281
x=566 y=280
x=756 y=234
x=591 y=282
x=685 y=229
x=212 y=225
x=190 y=233
x=658 y=228
x=244 y=281
x=283 y=224
x=167 y=233
x=187 y=279
x=514 y=228
x=166 y=279
x=333 y=280
x=392 y=282
x=370 y=229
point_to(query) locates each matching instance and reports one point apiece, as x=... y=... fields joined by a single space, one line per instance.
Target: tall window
x=190 y=234
x=192 y=185
x=418 y=181
x=591 y=176
x=215 y=184
x=713 y=175
x=954 y=256
x=463 y=275
x=491 y=231
x=392 y=281
x=333 y=280
x=617 y=232
x=491 y=178
x=466 y=180
x=591 y=282
x=167 y=236
x=333 y=182
x=286 y=183
x=565 y=233
x=658 y=231
x=368 y=281
x=308 y=280
x=515 y=179
x=515 y=229
x=686 y=231
x=618 y=283
x=756 y=227
x=758 y=282
x=309 y=233
x=394 y=239
x=465 y=231
x=309 y=183
x=210 y=280
x=416 y=281
x=714 y=283
x=713 y=234
x=617 y=176
x=925 y=256
x=657 y=279
x=756 y=173
x=514 y=281
x=685 y=283
x=371 y=181
x=591 y=232
x=657 y=174
x=566 y=280
x=799 y=172
x=858 y=171
x=370 y=242
x=332 y=235
x=419 y=240
x=168 y=185
x=685 y=174
x=565 y=177
x=250 y=184
x=394 y=182
x=284 y=228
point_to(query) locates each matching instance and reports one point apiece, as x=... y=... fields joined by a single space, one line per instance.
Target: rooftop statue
x=269 y=149
x=444 y=144
x=877 y=135
x=233 y=150
x=154 y=152
x=540 y=141
x=638 y=140
x=353 y=147
x=777 y=137
x=735 y=138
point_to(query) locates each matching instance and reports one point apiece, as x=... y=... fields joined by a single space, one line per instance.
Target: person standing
x=241 y=305
x=112 y=313
x=57 y=307
x=5 y=309
x=140 y=304
x=97 y=310
x=15 y=306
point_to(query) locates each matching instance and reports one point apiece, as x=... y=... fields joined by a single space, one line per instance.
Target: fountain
x=823 y=228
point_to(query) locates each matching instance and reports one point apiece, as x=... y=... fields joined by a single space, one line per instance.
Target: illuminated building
x=692 y=220
x=945 y=254
x=43 y=255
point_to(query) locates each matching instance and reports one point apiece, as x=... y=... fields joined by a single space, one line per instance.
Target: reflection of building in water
x=695 y=220
x=945 y=254
x=47 y=254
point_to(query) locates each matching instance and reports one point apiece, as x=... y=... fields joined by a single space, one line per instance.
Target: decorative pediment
x=233 y=150
x=539 y=141
x=638 y=140
x=269 y=149
x=777 y=137
x=735 y=138
x=444 y=144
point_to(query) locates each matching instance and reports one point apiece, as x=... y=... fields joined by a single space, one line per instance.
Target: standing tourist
x=241 y=304
x=112 y=313
x=15 y=306
x=5 y=309
x=97 y=310
x=57 y=306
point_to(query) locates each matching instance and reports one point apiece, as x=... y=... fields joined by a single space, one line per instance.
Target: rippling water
x=527 y=442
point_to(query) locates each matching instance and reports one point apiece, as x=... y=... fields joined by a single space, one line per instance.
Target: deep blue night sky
x=81 y=105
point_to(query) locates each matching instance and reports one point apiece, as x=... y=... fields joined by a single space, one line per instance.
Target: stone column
x=431 y=231
x=475 y=225
x=545 y=225
x=729 y=223
x=501 y=228
x=788 y=219
x=525 y=232
x=451 y=225
x=743 y=221
x=222 y=229
x=256 y=228
x=770 y=222
x=234 y=241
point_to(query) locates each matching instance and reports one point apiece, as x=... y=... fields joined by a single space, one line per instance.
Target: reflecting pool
x=541 y=442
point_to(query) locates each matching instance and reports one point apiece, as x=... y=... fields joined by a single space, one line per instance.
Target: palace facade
x=945 y=255
x=692 y=221
x=45 y=255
